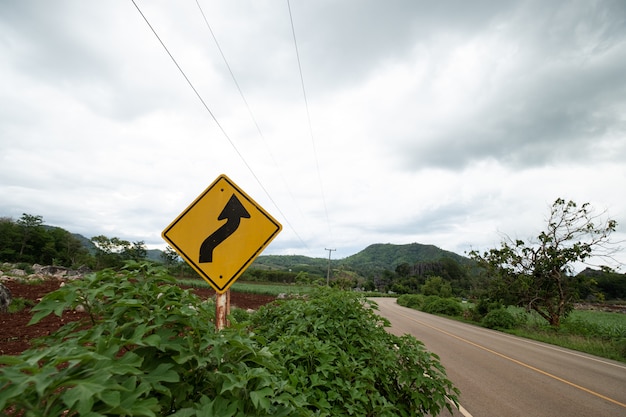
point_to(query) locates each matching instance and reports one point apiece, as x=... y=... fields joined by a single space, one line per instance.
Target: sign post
x=219 y=235
x=222 y=309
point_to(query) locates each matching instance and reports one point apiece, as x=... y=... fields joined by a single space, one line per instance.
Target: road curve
x=500 y=375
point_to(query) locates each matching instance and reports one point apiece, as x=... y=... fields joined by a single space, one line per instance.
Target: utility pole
x=328 y=274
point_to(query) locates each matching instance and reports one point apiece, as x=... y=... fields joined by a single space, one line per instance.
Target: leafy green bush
x=485 y=305
x=499 y=319
x=447 y=306
x=18 y=304
x=481 y=308
x=337 y=353
x=414 y=301
x=149 y=348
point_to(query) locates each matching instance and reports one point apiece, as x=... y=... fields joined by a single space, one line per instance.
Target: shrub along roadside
x=149 y=349
x=431 y=304
x=337 y=352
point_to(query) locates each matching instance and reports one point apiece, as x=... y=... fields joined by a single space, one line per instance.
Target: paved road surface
x=504 y=376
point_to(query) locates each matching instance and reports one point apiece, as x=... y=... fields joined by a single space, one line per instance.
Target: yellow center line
x=587 y=390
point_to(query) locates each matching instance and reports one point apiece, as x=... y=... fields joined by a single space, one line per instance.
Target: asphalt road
x=500 y=375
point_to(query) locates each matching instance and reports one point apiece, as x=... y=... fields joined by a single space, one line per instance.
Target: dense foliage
x=446 y=306
x=150 y=349
x=337 y=352
x=431 y=304
x=498 y=319
x=606 y=285
x=539 y=274
x=27 y=240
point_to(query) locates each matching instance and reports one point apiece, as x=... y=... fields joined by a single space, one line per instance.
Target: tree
x=137 y=251
x=110 y=252
x=403 y=270
x=169 y=256
x=437 y=286
x=10 y=238
x=68 y=250
x=29 y=225
x=538 y=274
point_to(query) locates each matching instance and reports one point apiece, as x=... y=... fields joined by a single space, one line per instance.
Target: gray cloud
x=432 y=122
x=564 y=93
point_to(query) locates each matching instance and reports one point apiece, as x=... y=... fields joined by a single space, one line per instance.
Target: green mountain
x=380 y=256
x=388 y=256
x=87 y=244
x=154 y=255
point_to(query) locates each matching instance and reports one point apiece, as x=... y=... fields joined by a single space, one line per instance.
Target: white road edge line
x=460 y=408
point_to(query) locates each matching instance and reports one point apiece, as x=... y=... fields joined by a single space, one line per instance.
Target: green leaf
x=259 y=398
x=45 y=309
x=151 y=340
x=232 y=382
x=162 y=373
x=81 y=397
x=110 y=398
x=10 y=360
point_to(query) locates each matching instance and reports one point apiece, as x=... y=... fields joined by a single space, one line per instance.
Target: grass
x=18 y=304
x=595 y=332
x=253 y=288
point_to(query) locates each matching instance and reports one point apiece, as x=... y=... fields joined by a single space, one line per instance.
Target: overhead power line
x=254 y=120
x=213 y=116
x=308 y=115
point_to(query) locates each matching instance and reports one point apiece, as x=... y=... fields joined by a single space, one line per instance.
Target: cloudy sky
x=446 y=123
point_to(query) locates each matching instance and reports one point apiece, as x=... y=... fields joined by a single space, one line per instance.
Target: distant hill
x=87 y=244
x=296 y=263
x=389 y=256
x=154 y=255
x=380 y=256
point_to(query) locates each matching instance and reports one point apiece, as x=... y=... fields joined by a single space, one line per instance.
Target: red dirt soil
x=16 y=336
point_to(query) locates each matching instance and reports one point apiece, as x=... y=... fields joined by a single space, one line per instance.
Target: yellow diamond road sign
x=221 y=233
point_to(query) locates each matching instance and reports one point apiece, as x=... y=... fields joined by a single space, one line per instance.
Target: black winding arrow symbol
x=233 y=212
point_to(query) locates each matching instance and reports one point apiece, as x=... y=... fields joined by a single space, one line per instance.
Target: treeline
x=448 y=278
x=610 y=285
x=27 y=240
x=422 y=277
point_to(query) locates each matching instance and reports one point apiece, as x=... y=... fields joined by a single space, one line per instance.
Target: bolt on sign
x=221 y=233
